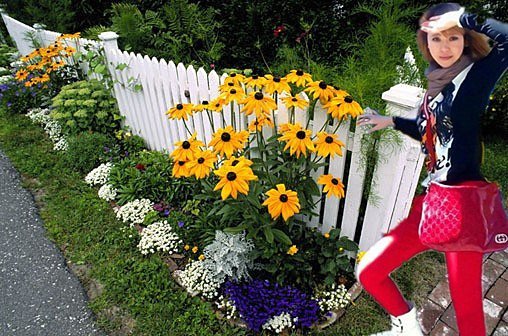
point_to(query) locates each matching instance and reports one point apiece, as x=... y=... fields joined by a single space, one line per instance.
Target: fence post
x=403 y=100
x=39 y=27
x=109 y=40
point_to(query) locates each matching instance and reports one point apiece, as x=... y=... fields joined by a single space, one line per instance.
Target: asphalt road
x=38 y=293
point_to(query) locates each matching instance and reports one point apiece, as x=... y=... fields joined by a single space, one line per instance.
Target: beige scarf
x=439 y=77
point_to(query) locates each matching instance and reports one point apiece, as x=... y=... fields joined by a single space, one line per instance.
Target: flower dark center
x=225 y=137
x=276 y=79
x=301 y=135
x=329 y=139
x=201 y=160
x=258 y=96
x=255 y=77
x=235 y=162
x=179 y=106
x=299 y=73
x=186 y=145
x=322 y=85
x=294 y=99
x=335 y=181
x=217 y=105
x=283 y=198
x=205 y=102
x=181 y=163
x=348 y=99
x=232 y=75
x=232 y=91
x=231 y=176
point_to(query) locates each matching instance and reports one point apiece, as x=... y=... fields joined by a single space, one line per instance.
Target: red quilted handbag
x=464 y=217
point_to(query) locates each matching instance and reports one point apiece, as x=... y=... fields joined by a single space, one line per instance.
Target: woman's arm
x=496 y=30
x=406 y=126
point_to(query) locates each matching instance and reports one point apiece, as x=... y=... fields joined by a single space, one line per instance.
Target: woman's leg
x=388 y=254
x=465 y=280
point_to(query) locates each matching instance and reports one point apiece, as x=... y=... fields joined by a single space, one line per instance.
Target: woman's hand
x=443 y=22
x=375 y=119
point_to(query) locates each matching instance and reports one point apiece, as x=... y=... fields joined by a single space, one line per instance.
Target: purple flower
x=166 y=213
x=259 y=300
x=181 y=224
x=9 y=104
x=158 y=207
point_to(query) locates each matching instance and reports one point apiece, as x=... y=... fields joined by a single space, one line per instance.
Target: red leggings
x=400 y=245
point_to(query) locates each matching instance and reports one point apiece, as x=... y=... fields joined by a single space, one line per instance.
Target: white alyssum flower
x=51 y=127
x=159 y=236
x=107 y=192
x=61 y=145
x=333 y=298
x=5 y=79
x=16 y=64
x=134 y=212
x=280 y=322
x=227 y=306
x=99 y=175
x=196 y=278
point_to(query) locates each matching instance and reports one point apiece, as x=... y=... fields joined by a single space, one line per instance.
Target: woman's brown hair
x=475 y=44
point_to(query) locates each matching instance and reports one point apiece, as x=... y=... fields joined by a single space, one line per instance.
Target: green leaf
x=281 y=237
x=121 y=66
x=236 y=229
x=101 y=68
x=267 y=230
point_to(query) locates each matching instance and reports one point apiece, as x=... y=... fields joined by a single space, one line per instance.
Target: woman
x=462 y=74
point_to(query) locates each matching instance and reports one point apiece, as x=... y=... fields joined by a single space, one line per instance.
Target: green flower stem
x=208 y=113
x=185 y=124
x=311 y=113
x=273 y=113
x=292 y=115
x=233 y=119
x=336 y=128
x=260 y=139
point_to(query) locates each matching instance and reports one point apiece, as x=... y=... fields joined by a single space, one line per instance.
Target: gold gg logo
x=501 y=238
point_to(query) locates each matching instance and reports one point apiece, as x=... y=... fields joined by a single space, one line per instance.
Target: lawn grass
x=135 y=294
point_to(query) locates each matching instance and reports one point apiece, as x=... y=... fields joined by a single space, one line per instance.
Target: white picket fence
x=166 y=84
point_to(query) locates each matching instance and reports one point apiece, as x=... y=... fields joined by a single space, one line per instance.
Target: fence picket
x=170 y=125
x=175 y=93
x=214 y=82
x=204 y=95
x=197 y=118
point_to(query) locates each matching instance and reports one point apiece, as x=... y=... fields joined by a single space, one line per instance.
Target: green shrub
x=495 y=119
x=7 y=55
x=85 y=150
x=149 y=175
x=86 y=106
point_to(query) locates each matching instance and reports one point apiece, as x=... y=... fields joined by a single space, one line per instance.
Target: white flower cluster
x=50 y=126
x=107 y=192
x=280 y=322
x=16 y=64
x=196 y=278
x=134 y=212
x=227 y=306
x=5 y=79
x=159 y=236
x=99 y=175
x=334 y=298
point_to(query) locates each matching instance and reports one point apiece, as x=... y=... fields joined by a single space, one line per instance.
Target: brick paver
x=437 y=316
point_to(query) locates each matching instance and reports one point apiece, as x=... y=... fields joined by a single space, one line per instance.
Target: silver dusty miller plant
x=229 y=256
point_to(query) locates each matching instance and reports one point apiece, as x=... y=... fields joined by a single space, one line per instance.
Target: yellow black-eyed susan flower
x=299 y=77
x=321 y=90
x=69 y=36
x=21 y=75
x=295 y=101
x=332 y=185
x=202 y=164
x=180 y=111
x=187 y=150
x=226 y=141
x=258 y=124
x=297 y=140
x=282 y=202
x=216 y=104
x=233 y=180
x=235 y=78
x=255 y=81
x=235 y=93
x=340 y=107
x=205 y=105
x=276 y=84
x=328 y=144
x=234 y=161
x=259 y=104
x=180 y=169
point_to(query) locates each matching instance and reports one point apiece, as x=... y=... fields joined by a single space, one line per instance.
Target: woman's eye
x=454 y=38
x=436 y=39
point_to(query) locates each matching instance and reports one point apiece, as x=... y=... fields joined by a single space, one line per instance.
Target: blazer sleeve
x=408 y=127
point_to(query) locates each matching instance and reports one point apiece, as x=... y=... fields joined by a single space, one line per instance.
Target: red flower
x=279 y=29
x=140 y=166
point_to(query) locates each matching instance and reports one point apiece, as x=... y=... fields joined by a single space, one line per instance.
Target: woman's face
x=446 y=47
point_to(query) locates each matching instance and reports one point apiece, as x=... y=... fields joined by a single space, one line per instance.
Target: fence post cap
x=404 y=94
x=108 y=36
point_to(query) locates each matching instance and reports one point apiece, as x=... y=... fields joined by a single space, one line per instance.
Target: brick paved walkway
x=437 y=316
